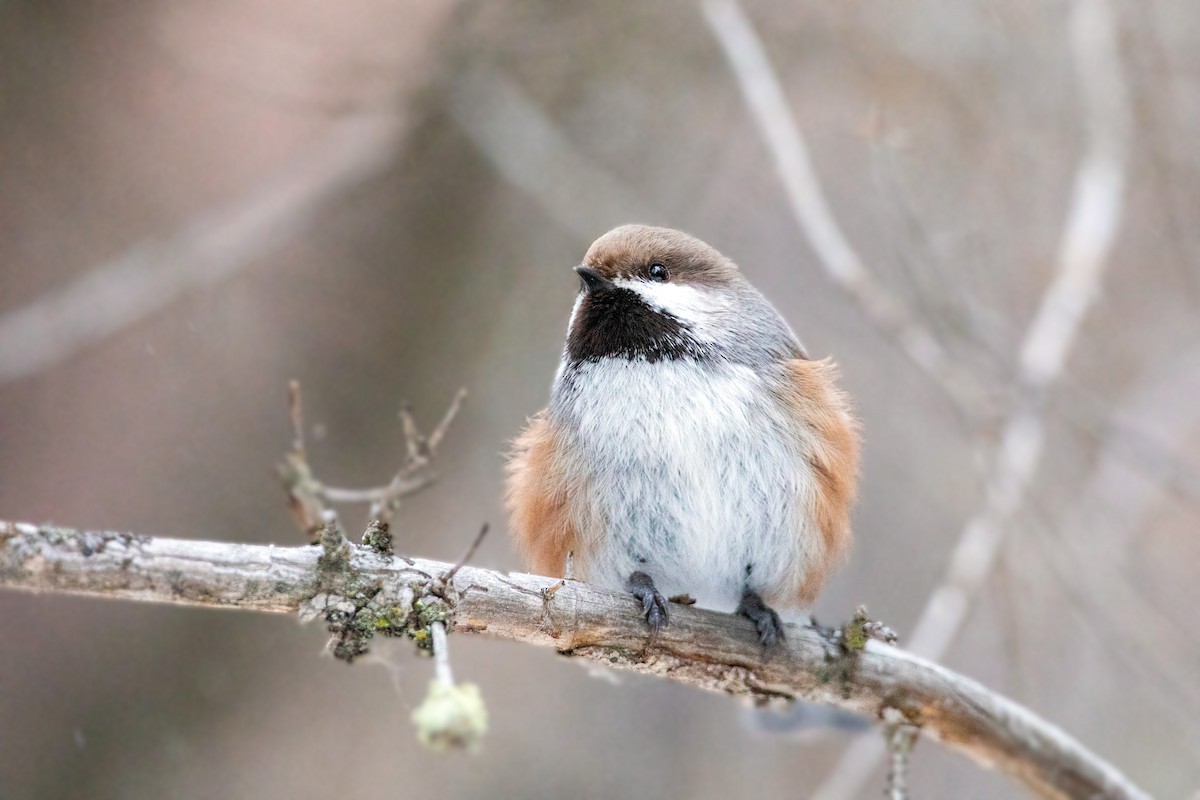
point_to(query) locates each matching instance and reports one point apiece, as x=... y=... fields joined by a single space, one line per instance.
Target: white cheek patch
x=575 y=311
x=701 y=309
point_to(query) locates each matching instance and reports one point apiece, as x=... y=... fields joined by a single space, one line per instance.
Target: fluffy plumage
x=688 y=436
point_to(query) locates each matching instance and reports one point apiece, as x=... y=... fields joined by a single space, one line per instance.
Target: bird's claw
x=766 y=621
x=654 y=605
x=654 y=609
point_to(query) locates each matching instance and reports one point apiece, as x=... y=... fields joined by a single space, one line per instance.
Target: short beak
x=593 y=281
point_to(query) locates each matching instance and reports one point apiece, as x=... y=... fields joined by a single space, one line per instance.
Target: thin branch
x=336 y=494
x=206 y=251
x=765 y=97
x=901 y=737
x=439 y=433
x=719 y=652
x=483 y=532
x=441 y=653
x=309 y=498
x=1089 y=233
x=296 y=407
x=304 y=490
x=1083 y=257
x=422 y=451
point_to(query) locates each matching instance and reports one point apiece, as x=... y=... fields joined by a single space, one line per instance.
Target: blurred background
x=202 y=200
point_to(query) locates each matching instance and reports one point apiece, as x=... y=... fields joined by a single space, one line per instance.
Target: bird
x=691 y=448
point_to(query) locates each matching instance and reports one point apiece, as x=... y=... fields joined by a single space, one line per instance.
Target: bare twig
x=901 y=737
x=1088 y=235
x=375 y=494
x=702 y=648
x=421 y=452
x=767 y=102
x=296 y=406
x=304 y=491
x=309 y=497
x=483 y=532
x=441 y=653
x=204 y=252
x=439 y=433
x=453 y=717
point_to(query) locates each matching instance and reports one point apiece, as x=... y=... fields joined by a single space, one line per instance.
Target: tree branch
x=765 y=97
x=1089 y=234
x=720 y=652
x=205 y=251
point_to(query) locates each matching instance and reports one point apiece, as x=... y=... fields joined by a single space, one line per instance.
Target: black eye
x=658 y=272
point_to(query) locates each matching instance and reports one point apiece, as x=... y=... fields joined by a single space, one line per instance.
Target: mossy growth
x=358 y=611
x=378 y=537
x=354 y=628
x=334 y=561
x=854 y=633
x=842 y=649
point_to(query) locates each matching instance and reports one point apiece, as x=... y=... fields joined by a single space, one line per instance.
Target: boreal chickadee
x=690 y=445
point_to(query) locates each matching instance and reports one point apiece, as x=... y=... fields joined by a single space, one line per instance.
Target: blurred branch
x=764 y=95
x=1141 y=451
x=1088 y=235
x=1083 y=256
x=901 y=737
x=1101 y=526
x=370 y=592
x=533 y=154
x=211 y=248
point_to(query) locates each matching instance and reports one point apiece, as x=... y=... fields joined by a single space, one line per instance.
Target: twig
x=296 y=406
x=421 y=452
x=336 y=494
x=208 y=250
x=304 y=491
x=452 y=717
x=439 y=433
x=309 y=497
x=702 y=648
x=483 y=532
x=1088 y=235
x=901 y=738
x=441 y=653
x=767 y=102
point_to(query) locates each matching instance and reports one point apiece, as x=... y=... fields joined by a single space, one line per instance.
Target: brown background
x=946 y=136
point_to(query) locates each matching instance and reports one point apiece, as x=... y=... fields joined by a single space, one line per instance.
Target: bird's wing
x=537 y=498
x=832 y=447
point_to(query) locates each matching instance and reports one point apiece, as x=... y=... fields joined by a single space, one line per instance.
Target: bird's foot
x=766 y=621
x=654 y=605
